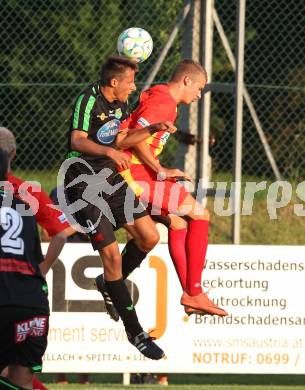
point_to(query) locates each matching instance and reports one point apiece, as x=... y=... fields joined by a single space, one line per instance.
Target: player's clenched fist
x=121 y=159
x=163 y=126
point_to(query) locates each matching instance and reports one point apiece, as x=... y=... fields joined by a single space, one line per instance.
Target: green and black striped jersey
x=101 y=119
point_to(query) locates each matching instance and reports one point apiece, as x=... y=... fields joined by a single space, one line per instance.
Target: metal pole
x=205 y=104
x=238 y=118
x=126 y=378
x=167 y=46
x=187 y=155
x=247 y=97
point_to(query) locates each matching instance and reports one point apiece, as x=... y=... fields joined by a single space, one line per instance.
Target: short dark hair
x=114 y=67
x=190 y=68
x=4 y=159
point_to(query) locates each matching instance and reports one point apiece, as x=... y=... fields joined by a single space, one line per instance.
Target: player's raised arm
x=144 y=154
x=130 y=137
x=81 y=143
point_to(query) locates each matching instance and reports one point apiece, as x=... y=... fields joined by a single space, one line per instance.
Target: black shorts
x=23 y=336
x=104 y=210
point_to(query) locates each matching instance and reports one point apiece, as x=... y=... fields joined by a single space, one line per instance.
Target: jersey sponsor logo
x=34 y=327
x=143 y=122
x=107 y=133
x=102 y=116
x=164 y=138
x=118 y=113
x=62 y=218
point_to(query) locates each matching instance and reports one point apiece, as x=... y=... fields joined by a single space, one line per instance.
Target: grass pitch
x=172 y=387
x=187 y=382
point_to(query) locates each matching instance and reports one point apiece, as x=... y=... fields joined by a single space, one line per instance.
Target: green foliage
x=51 y=50
x=59 y=50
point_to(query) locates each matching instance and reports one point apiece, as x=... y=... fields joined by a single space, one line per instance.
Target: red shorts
x=163 y=197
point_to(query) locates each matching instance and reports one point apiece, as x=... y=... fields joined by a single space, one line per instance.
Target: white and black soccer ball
x=135 y=43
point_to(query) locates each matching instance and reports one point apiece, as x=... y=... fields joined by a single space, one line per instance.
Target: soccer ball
x=135 y=43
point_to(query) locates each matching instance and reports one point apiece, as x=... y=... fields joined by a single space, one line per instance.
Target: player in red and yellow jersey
x=158 y=186
x=157 y=102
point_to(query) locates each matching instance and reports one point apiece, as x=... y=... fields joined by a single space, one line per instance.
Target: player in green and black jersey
x=107 y=203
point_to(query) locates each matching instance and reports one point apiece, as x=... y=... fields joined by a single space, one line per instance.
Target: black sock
x=121 y=299
x=132 y=257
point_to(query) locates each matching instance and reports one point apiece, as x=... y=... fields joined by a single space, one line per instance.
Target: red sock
x=196 y=244
x=176 y=246
x=37 y=384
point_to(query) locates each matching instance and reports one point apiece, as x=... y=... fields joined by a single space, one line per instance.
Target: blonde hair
x=188 y=67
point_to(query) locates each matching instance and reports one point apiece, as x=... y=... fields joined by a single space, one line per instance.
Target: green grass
x=47 y=179
x=258 y=228
x=188 y=382
x=172 y=387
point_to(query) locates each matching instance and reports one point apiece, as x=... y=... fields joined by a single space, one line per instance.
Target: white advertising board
x=262 y=288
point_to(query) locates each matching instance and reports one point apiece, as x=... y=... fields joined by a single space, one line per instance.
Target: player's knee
x=150 y=240
x=116 y=261
x=177 y=223
x=206 y=215
x=201 y=214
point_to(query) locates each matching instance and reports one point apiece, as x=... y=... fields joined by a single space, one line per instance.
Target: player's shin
x=196 y=247
x=176 y=246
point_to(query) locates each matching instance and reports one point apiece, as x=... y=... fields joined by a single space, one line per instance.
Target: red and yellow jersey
x=49 y=218
x=156 y=105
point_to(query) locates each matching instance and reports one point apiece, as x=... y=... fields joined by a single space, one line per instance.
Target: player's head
x=191 y=78
x=4 y=162
x=118 y=77
x=8 y=142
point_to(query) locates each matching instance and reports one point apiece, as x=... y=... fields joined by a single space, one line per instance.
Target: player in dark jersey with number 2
x=24 y=307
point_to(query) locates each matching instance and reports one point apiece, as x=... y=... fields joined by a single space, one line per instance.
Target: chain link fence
x=274 y=79
x=51 y=50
